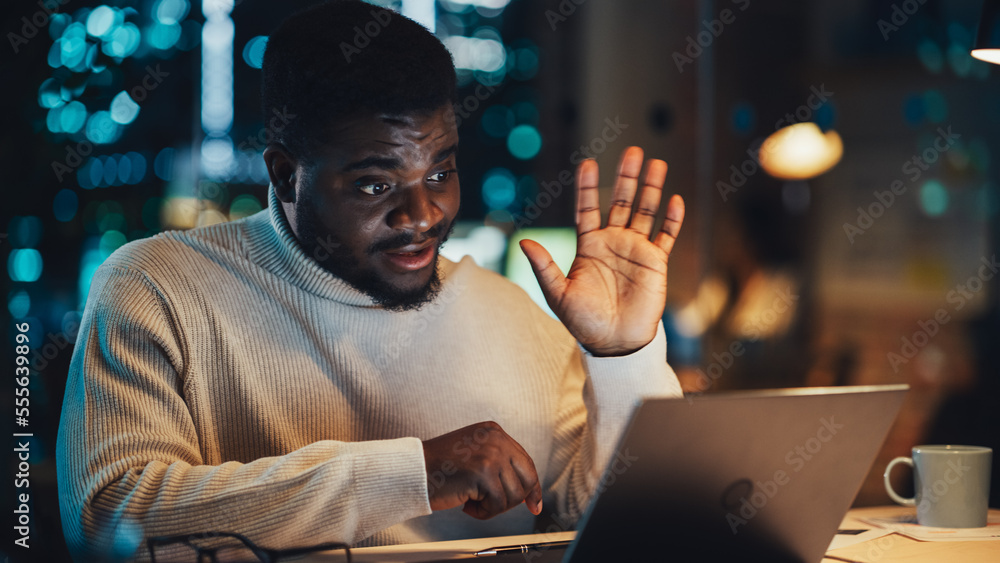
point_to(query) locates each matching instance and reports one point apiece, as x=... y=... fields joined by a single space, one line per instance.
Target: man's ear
x=281 y=167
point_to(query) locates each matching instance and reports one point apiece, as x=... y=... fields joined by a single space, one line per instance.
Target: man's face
x=375 y=206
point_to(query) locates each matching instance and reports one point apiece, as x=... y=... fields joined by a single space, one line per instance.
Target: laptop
x=750 y=476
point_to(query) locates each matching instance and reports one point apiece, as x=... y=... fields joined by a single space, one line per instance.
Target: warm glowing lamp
x=800 y=151
x=987 y=46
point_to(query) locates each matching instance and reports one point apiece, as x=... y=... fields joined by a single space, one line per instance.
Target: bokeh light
x=524 y=142
x=100 y=21
x=163 y=164
x=48 y=94
x=102 y=129
x=123 y=109
x=25 y=231
x=64 y=205
x=111 y=241
x=800 y=151
x=930 y=55
x=19 y=304
x=124 y=41
x=24 y=265
x=253 y=52
x=499 y=188
x=934 y=198
x=170 y=11
x=163 y=36
x=497 y=121
x=243 y=206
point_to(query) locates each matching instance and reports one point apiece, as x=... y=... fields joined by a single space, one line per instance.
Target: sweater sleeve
x=130 y=467
x=588 y=431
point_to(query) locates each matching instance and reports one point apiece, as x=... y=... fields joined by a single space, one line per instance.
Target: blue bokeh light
x=72 y=117
x=25 y=231
x=19 y=304
x=253 y=52
x=48 y=94
x=524 y=142
x=138 y=166
x=123 y=109
x=100 y=21
x=499 y=188
x=163 y=36
x=64 y=205
x=124 y=41
x=24 y=265
x=101 y=129
x=170 y=11
x=163 y=164
x=934 y=198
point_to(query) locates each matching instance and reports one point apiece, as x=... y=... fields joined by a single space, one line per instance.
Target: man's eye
x=374 y=189
x=441 y=176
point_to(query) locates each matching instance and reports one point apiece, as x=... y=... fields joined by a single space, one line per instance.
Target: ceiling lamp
x=987 y=45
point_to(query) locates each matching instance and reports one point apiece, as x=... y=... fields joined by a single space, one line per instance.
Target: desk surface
x=897 y=547
x=886 y=549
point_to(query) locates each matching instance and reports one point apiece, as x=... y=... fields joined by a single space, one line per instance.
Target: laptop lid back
x=755 y=475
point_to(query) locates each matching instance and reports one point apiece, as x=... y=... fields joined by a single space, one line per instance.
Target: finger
x=513 y=490
x=524 y=468
x=671 y=224
x=649 y=202
x=628 y=179
x=532 y=487
x=588 y=199
x=491 y=499
x=550 y=277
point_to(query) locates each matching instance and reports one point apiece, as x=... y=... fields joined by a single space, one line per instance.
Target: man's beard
x=333 y=257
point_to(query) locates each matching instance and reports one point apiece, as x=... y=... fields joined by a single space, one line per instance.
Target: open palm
x=614 y=294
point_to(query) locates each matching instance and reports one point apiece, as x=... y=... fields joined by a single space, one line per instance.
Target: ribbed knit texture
x=223 y=381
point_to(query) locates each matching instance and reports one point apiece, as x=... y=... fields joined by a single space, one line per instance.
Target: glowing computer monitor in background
x=561 y=244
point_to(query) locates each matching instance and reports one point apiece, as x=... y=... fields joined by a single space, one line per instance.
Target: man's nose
x=417 y=210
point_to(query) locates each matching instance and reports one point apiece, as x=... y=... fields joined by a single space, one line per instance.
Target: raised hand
x=482 y=468
x=614 y=294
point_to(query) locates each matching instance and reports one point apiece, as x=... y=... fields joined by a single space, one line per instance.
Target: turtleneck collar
x=273 y=245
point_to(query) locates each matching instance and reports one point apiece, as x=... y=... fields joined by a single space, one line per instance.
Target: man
x=317 y=373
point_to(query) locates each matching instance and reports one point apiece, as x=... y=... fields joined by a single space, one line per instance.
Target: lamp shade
x=987 y=45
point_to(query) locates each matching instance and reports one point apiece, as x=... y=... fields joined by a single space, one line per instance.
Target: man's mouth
x=412 y=257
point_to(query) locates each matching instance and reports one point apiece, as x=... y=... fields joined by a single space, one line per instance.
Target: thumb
x=550 y=277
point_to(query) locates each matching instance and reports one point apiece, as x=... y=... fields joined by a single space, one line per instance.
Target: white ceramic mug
x=951 y=484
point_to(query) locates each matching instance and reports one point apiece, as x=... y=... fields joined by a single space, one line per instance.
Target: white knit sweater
x=223 y=381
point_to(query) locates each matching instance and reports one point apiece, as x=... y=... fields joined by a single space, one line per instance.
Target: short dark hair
x=344 y=58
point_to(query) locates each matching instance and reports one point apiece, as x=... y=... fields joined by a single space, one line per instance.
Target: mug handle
x=888 y=486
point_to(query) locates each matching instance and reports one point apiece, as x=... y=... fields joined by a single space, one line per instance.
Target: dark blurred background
x=124 y=119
